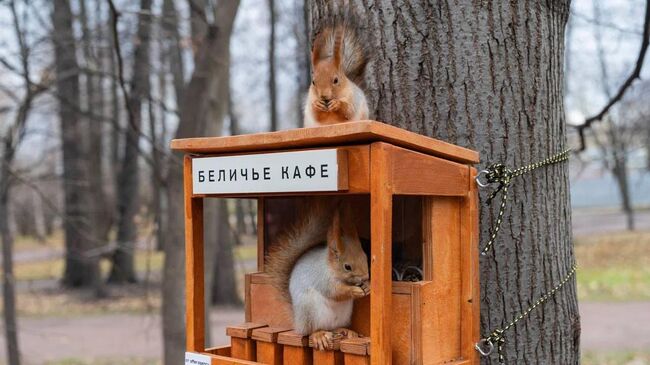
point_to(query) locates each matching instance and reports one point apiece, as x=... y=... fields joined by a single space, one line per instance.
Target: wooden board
x=415 y=173
x=339 y=134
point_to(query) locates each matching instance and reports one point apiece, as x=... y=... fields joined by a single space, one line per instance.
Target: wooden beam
x=194 y=282
x=470 y=289
x=381 y=202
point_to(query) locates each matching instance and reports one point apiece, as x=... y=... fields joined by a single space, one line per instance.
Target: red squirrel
x=338 y=60
x=319 y=267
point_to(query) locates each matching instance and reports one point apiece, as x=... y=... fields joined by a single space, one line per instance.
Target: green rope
x=499 y=173
x=497 y=337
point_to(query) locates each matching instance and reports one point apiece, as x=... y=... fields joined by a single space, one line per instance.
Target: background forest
x=91 y=219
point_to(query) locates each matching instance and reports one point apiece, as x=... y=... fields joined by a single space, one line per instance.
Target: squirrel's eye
x=347 y=267
x=313 y=82
x=336 y=80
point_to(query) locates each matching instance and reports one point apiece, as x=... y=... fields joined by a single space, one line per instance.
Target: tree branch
x=636 y=74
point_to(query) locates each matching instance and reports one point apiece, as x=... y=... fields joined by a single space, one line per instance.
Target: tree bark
x=193 y=112
x=80 y=270
x=128 y=202
x=488 y=76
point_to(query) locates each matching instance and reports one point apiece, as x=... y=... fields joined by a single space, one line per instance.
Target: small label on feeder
x=196 y=359
x=302 y=171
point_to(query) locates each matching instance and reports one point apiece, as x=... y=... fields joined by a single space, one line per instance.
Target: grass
x=614 y=267
x=53 y=268
x=616 y=358
x=63 y=303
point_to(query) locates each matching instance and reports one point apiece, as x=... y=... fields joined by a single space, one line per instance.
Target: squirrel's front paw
x=346 y=333
x=359 y=291
x=365 y=286
x=334 y=105
x=319 y=104
x=322 y=340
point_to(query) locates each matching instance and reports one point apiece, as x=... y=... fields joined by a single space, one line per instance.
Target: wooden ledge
x=359 y=132
x=244 y=330
x=356 y=346
x=292 y=338
x=268 y=334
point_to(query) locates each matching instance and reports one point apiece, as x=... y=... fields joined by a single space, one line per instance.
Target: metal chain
x=486 y=345
x=499 y=173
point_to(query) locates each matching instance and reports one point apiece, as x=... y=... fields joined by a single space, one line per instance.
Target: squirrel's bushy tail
x=354 y=43
x=310 y=230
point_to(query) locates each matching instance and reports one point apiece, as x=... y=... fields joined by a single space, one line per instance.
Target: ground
x=59 y=327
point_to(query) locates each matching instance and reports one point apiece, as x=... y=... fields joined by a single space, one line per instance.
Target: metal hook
x=484 y=347
x=478 y=179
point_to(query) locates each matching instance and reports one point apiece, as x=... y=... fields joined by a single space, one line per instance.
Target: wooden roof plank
x=330 y=135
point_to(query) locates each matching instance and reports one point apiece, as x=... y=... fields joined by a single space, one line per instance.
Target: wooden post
x=355 y=351
x=328 y=357
x=296 y=349
x=242 y=345
x=381 y=202
x=194 y=276
x=470 y=290
x=269 y=351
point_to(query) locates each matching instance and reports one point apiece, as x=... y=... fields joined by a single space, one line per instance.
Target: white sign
x=301 y=171
x=197 y=359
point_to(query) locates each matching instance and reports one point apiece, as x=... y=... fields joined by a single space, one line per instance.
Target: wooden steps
x=262 y=344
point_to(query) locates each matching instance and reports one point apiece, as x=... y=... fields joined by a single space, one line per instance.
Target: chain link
x=497 y=337
x=499 y=173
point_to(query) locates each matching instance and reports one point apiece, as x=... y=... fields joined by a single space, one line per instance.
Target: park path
x=605 y=327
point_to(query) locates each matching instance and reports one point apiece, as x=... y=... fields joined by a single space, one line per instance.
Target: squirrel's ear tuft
x=338 y=47
x=334 y=235
x=316 y=49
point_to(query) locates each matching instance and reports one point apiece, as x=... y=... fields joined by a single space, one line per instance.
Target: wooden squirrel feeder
x=421 y=207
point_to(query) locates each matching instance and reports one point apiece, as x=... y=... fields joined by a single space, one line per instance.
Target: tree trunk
x=8 y=282
x=488 y=76
x=128 y=202
x=193 y=112
x=92 y=144
x=273 y=95
x=620 y=173
x=303 y=59
x=80 y=270
x=173 y=50
x=223 y=290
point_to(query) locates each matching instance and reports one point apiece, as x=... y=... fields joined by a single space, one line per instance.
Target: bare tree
x=80 y=269
x=615 y=137
x=123 y=269
x=273 y=95
x=12 y=135
x=489 y=76
x=303 y=59
x=93 y=139
x=193 y=120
